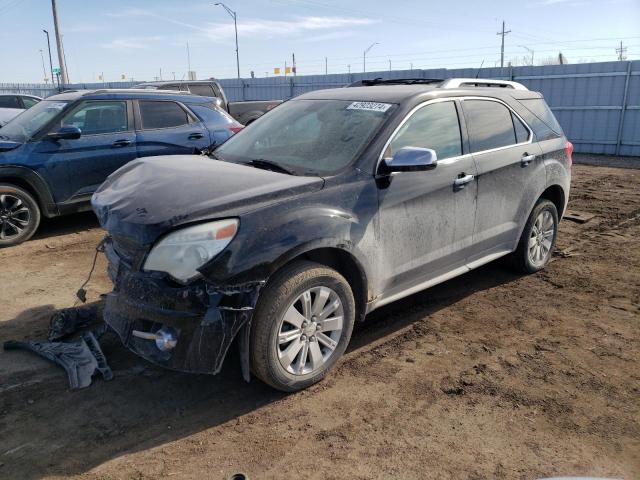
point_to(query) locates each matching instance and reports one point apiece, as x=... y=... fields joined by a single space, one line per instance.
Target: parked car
x=11 y=105
x=54 y=155
x=244 y=112
x=332 y=205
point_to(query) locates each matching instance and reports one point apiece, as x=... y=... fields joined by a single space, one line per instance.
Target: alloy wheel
x=310 y=330
x=541 y=238
x=15 y=216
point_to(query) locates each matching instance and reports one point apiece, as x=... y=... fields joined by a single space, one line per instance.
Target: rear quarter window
x=541 y=119
x=210 y=114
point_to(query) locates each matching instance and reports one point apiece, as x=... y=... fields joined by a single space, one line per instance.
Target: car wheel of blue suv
x=19 y=215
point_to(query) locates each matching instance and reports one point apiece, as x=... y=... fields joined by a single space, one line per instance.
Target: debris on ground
x=577 y=216
x=82 y=359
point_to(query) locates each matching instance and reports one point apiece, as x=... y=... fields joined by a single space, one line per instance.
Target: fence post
x=624 y=107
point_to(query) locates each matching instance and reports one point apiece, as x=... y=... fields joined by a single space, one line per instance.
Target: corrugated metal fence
x=597 y=104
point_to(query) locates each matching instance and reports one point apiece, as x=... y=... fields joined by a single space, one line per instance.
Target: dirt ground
x=490 y=375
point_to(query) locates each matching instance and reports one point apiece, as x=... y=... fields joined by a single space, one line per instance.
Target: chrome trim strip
x=460 y=82
x=449 y=99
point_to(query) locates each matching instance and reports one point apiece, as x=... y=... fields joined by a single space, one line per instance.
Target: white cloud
x=128 y=43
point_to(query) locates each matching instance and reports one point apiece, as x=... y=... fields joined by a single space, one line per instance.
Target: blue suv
x=56 y=154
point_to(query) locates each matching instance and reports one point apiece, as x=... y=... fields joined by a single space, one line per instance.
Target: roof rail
x=481 y=82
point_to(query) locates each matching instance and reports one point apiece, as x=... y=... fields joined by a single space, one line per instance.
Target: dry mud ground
x=490 y=375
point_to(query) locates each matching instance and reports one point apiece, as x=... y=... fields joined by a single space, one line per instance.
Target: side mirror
x=412 y=159
x=66 y=133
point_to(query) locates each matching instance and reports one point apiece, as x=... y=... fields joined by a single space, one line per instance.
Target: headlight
x=182 y=252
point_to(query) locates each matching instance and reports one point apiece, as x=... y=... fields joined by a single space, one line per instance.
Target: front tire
x=19 y=215
x=302 y=326
x=538 y=238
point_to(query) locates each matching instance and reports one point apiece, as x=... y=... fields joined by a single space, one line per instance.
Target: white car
x=13 y=104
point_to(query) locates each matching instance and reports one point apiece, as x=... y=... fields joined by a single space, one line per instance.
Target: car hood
x=149 y=196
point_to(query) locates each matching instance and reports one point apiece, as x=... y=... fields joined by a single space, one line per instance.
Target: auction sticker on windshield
x=371 y=106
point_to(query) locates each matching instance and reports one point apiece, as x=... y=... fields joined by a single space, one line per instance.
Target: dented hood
x=152 y=195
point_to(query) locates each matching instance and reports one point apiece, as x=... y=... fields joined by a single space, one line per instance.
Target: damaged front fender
x=203 y=319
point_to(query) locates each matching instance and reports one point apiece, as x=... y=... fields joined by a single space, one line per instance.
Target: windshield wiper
x=269 y=165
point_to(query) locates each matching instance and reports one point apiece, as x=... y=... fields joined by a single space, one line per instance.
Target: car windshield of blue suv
x=22 y=128
x=308 y=137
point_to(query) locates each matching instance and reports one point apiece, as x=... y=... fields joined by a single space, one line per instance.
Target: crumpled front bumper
x=205 y=317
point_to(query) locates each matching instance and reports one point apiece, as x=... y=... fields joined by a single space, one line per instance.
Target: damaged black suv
x=331 y=205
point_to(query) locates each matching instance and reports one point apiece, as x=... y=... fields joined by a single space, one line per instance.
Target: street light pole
x=364 y=56
x=235 y=26
x=44 y=70
x=50 y=61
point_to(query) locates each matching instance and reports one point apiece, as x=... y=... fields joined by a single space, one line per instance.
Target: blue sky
x=138 y=38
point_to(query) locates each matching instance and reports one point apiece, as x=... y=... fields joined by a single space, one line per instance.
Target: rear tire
x=19 y=215
x=302 y=326
x=538 y=238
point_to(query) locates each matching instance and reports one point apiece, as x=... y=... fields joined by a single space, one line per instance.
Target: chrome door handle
x=526 y=159
x=460 y=182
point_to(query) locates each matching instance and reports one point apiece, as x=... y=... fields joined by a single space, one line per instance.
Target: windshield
x=308 y=136
x=22 y=127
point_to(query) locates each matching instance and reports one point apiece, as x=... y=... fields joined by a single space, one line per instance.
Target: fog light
x=166 y=338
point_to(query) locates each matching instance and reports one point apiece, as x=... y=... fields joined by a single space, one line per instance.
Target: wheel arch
x=33 y=183
x=555 y=194
x=341 y=260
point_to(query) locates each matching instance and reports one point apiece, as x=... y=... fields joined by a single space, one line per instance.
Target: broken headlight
x=182 y=252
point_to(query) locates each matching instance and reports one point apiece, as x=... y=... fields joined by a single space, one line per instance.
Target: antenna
x=480 y=68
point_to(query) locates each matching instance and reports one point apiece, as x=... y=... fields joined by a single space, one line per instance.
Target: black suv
x=334 y=204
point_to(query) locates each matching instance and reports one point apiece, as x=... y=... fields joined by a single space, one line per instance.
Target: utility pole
x=389 y=64
x=44 y=70
x=326 y=69
x=502 y=33
x=235 y=25
x=364 y=56
x=349 y=68
x=63 y=69
x=174 y=75
x=621 y=52
x=293 y=60
x=50 y=61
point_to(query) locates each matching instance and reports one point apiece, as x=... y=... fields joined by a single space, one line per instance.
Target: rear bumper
x=205 y=318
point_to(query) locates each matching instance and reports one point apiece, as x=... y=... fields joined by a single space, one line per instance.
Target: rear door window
x=538 y=107
x=9 y=101
x=434 y=126
x=202 y=89
x=489 y=124
x=157 y=114
x=522 y=133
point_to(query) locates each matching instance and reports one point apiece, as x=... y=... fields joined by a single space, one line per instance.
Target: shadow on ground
x=53 y=227
x=46 y=429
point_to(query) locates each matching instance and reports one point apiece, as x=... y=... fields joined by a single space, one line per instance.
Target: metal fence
x=597 y=104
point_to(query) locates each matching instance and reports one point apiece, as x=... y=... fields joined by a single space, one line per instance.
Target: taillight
x=568 y=150
x=236 y=129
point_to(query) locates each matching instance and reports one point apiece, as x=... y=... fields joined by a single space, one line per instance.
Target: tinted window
x=201 y=89
x=173 y=86
x=9 y=101
x=210 y=114
x=522 y=134
x=434 y=126
x=489 y=124
x=162 y=115
x=538 y=107
x=29 y=102
x=99 y=117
